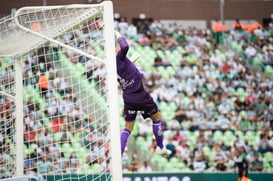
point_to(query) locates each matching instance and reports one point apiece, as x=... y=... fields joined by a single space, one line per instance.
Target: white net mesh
x=65 y=106
x=7 y=127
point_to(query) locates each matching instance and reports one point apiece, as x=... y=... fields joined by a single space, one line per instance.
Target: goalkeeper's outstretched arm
x=135 y=55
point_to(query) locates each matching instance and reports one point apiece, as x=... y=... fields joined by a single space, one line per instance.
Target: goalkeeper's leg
x=129 y=126
x=158 y=133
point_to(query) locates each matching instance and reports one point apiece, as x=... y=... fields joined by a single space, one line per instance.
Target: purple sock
x=158 y=133
x=123 y=138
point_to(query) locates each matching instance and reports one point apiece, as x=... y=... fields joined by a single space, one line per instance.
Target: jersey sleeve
x=124 y=47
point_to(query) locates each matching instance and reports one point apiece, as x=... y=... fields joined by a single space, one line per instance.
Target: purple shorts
x=141 y=102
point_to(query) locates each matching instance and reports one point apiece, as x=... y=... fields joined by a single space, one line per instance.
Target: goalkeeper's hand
x=117 y=34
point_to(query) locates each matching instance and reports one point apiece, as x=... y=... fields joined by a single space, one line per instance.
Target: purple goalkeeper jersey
x=129 y=78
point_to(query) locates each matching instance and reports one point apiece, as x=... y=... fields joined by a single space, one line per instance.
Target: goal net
x=58 y=94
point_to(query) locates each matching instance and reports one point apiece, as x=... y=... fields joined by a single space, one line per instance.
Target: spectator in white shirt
x=145 y=167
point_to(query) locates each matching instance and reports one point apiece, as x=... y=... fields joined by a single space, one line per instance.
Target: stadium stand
x=214 y=98
x=214 y=90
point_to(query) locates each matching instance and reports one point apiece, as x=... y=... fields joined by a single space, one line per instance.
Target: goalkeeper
x=135 y=98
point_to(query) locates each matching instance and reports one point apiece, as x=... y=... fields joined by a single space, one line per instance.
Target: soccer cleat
x=163 y=151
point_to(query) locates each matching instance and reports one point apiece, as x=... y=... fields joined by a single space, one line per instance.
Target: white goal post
x=58 y=63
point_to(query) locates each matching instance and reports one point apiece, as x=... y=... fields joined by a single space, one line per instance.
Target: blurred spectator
x=183 y=152
x=56 y=123
x=238 y=26
x=106 y=165
x=134 y=165
x=43 y=84
x=256 y=165
x=144 y=40
x=219 y=158
x=123 y=26
x=222 y=123
x=125 y=160
x=29 y=135
x=145 y=168
x=263 y=144
x=132 y=32
x=54 y=148
x=44 y=165
x=74 y=162
x=190 y=159
x=152 y=146
x=241 y=163
x=61 y=84
x=199 y=164
x=92 y=156
x=158 y=60
x=170 y=146
x=60 y=163
x=144 y=127
x=156 y=28
x=45 y=137
x=29 y=165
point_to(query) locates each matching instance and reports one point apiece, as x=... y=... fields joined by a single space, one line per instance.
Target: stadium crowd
x=216 y=98
x=221 y=94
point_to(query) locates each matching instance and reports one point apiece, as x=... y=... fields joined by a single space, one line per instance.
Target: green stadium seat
x=217 y=136
x=168 y=114
x=178 y=167
x=139 y=141
x=208 y=152
x=182 y=166
x=229 y=137
x=32 y=147
x=251 y=136
x=96 y=168
x=170 y=71
x=162 y=105
x=163 y=162
x=241 y=92
x=84 y=168
x=76 y=144
x=269 y=70
x=240 y=134
x=135 y=130
x=267 y=159
x=26 y=151
x=191 y=136
x=180 y=49
x=82 y=153
x=243 y=113
x=163 y=72
x=174 y=161
x=191 y=59
x=66 y=149
x=169 y=167
x=176 y=59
